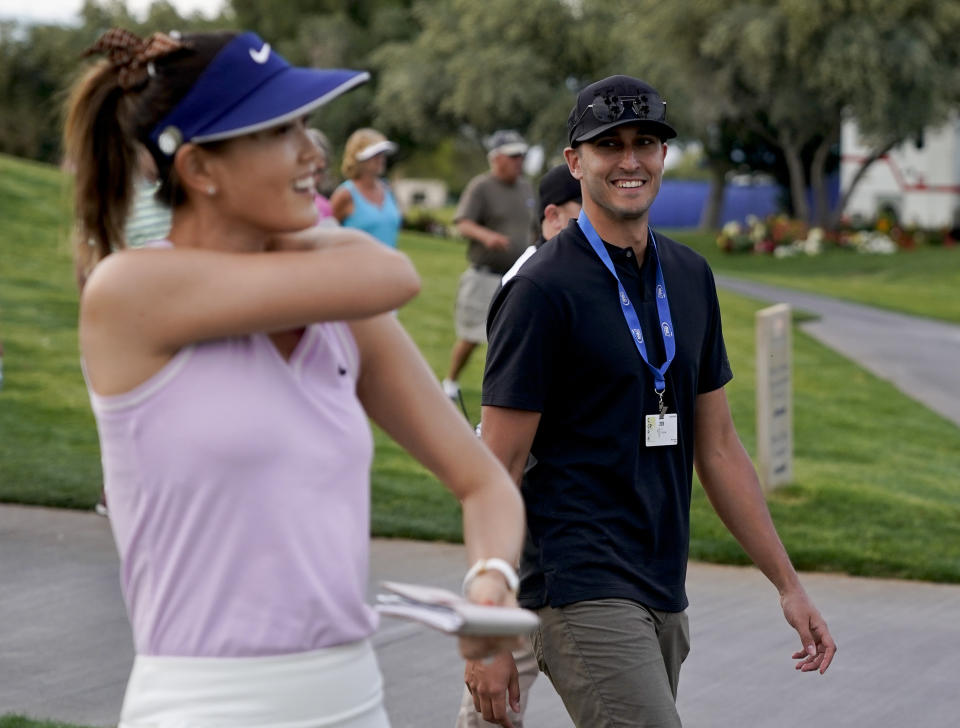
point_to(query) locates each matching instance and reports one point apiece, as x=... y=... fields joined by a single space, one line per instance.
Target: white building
x=921 y=182
x=428 y=194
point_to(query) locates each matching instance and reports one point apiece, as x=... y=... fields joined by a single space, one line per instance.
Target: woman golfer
x=231 y=370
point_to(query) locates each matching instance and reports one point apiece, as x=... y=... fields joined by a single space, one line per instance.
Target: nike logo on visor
x=261 y=55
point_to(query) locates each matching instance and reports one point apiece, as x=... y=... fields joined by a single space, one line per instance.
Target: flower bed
x=783 y=237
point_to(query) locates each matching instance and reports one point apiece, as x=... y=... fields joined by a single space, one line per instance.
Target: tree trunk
x=837 y=214
x=710 y=216
x=798 y=189
x=818 y=179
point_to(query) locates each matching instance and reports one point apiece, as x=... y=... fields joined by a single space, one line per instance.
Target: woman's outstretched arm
x=403 y=396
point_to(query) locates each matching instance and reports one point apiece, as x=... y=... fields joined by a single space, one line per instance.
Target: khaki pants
x=614 y=662
x=468 y=717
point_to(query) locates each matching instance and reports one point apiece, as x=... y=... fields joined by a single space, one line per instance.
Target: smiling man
x=607 y=364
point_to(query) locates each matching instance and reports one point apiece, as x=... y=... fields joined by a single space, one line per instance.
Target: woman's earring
x=211 y=190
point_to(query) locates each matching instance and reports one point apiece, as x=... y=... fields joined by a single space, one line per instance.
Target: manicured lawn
x=867 y=499
x=19 y=721
x=48 y=442
x=924 y=281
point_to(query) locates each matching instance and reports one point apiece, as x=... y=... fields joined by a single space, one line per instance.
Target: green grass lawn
x=924 y=281
x=876 y=475
x=20 y=721
x=48 y=444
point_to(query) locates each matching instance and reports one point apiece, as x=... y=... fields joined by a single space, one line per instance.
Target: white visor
x=373 y=150
x=510 y=150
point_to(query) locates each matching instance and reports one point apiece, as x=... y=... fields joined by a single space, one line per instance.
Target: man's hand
x=490 y=682
x=817 y=645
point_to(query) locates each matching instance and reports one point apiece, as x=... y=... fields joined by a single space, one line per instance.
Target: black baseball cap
x=558 y=186
x=614 y=101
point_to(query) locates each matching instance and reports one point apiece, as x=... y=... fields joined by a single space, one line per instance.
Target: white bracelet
x=484 y=565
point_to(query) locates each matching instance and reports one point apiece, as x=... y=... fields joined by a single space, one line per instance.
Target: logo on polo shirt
x=666 y=329
x=638 y=335
x=261 y=55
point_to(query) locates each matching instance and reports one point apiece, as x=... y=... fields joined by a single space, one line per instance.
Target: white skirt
x=337 y=687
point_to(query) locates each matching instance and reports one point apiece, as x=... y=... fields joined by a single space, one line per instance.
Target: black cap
x=615 y=101
x=558 y=186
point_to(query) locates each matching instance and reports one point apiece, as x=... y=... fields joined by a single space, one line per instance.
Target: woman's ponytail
x=104 y=159
x=110 y=114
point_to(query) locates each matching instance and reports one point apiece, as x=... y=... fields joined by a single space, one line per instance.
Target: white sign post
x=774 y=396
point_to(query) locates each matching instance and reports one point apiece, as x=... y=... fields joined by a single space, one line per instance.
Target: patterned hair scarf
x=132 y=55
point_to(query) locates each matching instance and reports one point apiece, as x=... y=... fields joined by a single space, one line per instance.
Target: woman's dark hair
x=106 y=120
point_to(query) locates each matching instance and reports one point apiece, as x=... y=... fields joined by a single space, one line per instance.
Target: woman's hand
x=489 y=588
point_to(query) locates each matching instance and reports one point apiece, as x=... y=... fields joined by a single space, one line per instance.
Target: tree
x=789 y=71
x=35 y=65
x=475 y=67
x=332 y=34
x=894 y=67
x=38 y=63
x=660 y=42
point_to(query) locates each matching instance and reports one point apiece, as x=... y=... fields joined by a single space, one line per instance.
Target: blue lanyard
x=630 y=314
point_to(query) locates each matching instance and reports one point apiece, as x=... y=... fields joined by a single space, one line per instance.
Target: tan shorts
x=474 y=294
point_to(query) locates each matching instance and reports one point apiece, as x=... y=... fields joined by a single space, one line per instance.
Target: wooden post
x=774 y=396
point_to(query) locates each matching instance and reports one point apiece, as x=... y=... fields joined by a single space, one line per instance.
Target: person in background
x=232 y=368
x=324 y=208
x=558 y=200
x=149 y=217
x=607 y=365
x=364 y=201
x=496 y=216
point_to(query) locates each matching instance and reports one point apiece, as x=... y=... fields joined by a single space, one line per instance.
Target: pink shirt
x=238 y=486
x=324 y=208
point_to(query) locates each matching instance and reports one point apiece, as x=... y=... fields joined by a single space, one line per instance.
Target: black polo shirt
x=607 y=516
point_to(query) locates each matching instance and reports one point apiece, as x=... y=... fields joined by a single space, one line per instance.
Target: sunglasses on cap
x=646 y=107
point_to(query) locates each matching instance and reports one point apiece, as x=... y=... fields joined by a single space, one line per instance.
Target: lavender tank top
x=238 y=486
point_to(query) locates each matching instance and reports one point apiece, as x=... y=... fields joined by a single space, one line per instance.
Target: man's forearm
x=509 y=434
x=475 y=231
x=734 y=492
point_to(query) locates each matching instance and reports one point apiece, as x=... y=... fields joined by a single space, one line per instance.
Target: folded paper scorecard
x=451 y=613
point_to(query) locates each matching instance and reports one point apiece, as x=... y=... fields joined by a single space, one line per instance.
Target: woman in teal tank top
x=365 y=201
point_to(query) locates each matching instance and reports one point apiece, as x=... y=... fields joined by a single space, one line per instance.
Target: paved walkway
x=65 y=648
x=920 y=356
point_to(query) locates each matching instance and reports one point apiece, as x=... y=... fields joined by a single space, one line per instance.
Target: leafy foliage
x=483 y=66
x=790 y=71
x=767 y=80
